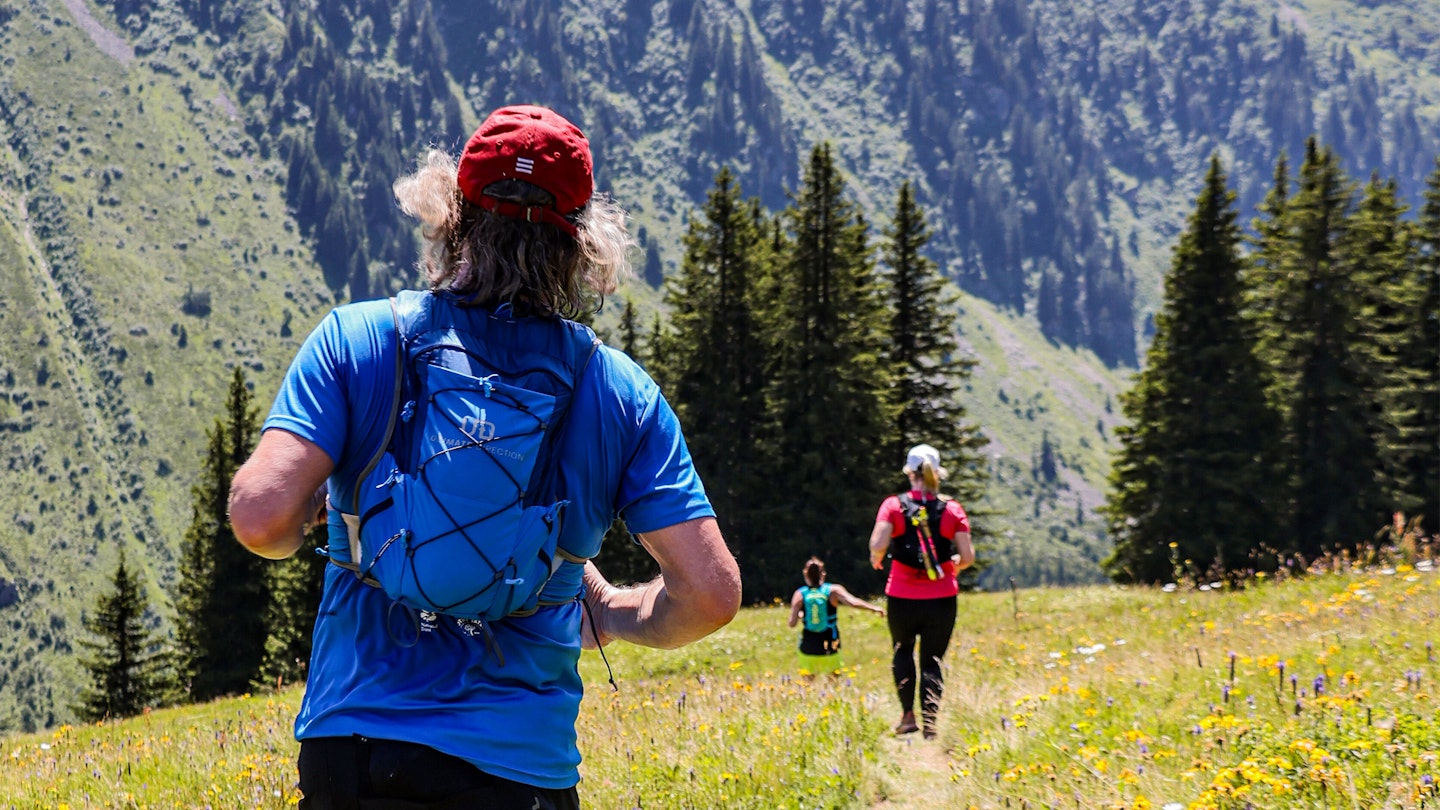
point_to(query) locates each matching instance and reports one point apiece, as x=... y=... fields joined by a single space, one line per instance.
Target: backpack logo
x=477 y=429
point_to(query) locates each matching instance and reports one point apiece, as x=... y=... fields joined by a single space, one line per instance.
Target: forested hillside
x=187 y=185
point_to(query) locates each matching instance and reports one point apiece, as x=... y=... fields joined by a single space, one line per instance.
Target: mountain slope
x=132 y=207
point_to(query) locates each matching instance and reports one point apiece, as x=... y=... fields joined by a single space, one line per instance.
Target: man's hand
x=697 y=592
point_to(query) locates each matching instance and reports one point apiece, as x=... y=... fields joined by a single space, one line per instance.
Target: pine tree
x=828 y=388
x=925 y=363
x=1419 y=352
x=657 y=354
x=127 y=669
x=629 y=334
x=1197 y=460
x=295 y=585
x=924 y=354
x=1263 y=272
x=1380 y=249
x=220 y=603
x=1324 y=385
x=716 y=365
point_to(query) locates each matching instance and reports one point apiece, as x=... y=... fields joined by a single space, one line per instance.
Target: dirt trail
x=106 y=40
x=918 y=774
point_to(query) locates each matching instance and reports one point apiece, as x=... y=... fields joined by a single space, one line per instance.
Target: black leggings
x=359 y=773
x=932 y=620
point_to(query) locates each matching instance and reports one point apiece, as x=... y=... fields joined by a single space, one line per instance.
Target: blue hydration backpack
x=819 y=613
x=456 y=513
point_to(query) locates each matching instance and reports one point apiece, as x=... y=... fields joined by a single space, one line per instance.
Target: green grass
x=1098 y=697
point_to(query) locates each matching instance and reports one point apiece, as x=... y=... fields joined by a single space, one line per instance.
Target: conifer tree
x=924 y=354
x=220 y=604
x=1197 y=461
x=127 y=669
x=716 y=367
x=1264 y=269
x=1379 y=248
x=828 y=388
x=1324 y=379
x=1420 y=353
x=657 y=355
x=295 y=586
x=629 y=334
x=924 y=361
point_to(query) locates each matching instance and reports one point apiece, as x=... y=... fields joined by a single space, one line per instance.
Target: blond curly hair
x=490 y=259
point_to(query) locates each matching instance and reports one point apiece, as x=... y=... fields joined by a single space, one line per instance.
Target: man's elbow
x=723 y=604
x=258 y=531
x=718 y=605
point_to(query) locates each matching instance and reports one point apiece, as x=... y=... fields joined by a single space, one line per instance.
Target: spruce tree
x=924 y=354
x=1197 y=463
x=718 y=357
x=1327 y=379
x=828 y=389
x=127 y=668
x=222 y=595
x=295 y=585
x=1421 y=352
x=629 y=333
x=1263 y=271
x=925 y=363
x=1380 y=249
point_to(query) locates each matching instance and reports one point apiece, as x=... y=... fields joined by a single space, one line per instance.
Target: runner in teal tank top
x=817 y=604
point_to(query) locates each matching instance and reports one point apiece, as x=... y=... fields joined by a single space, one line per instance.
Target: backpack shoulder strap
x=395 y=397
x=351 y=516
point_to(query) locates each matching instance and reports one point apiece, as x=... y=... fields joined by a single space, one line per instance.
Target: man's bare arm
x=273 y=494
x=697 y=592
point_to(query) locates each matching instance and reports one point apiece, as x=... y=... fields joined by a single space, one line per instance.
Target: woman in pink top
x=927 y=537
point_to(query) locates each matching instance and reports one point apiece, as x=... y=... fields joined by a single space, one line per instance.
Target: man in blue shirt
x=416 y=709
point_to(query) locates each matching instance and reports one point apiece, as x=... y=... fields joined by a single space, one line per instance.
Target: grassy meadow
x=1309 y=692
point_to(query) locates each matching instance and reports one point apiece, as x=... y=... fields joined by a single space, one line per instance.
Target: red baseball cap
x=533 y=144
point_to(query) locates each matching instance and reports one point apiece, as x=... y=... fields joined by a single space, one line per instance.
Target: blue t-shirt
x=384 y=671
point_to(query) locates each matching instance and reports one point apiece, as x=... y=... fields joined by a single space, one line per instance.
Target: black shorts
x=826 y=642
x=359 y=773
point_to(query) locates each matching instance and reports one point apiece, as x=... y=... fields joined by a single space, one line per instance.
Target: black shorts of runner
x=826 y=642
x=359 y=773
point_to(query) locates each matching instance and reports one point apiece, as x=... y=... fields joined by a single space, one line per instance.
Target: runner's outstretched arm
x=274 y=493
x=697 y=592
x=844 y=597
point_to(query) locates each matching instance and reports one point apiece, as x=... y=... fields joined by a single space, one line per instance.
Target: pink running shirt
x=906 y=582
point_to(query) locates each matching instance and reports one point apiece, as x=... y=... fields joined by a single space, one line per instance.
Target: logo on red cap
x=537 y=145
